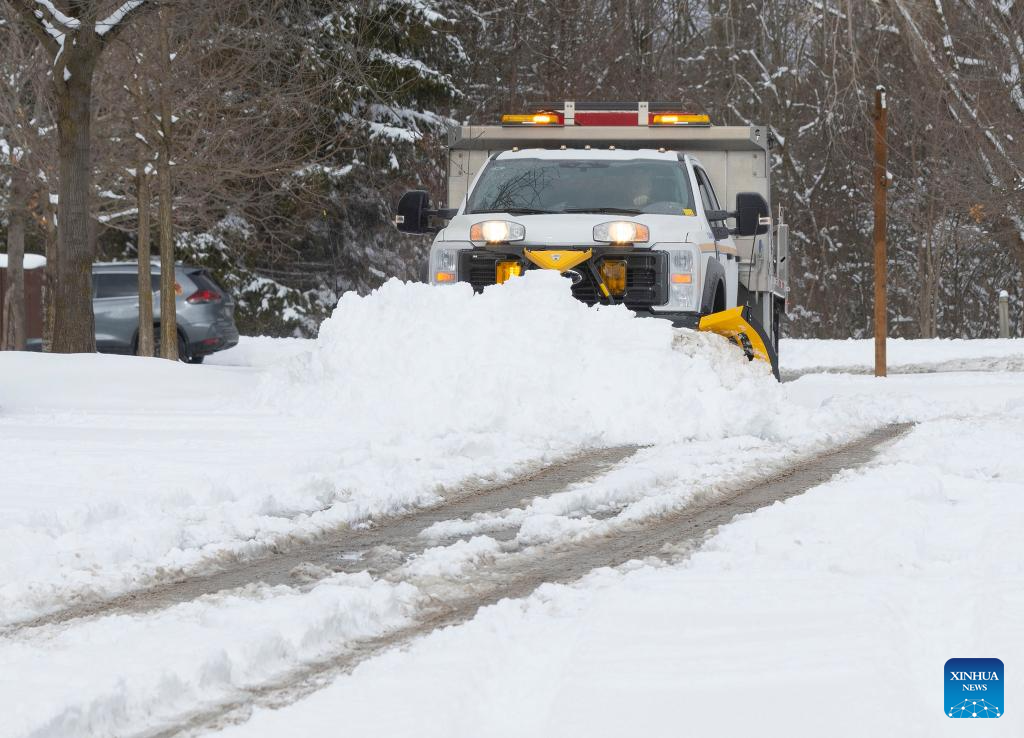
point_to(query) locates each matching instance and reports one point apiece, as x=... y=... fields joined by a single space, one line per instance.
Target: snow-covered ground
x=258 y=352
x=133 y=470
x=788 y=622
x=803 y=355
x=830 y=614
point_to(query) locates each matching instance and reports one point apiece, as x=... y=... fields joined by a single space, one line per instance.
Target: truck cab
x=628 y=202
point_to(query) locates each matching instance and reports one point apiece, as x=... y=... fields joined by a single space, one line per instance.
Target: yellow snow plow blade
x=560 y=260
x=739 y=326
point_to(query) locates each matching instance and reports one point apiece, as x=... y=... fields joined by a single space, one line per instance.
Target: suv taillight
x=203 y=296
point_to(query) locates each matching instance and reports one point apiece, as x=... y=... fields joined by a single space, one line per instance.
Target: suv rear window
x=120 y=284
x=206 y=281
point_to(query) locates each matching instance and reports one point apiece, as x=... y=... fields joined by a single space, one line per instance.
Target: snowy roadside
x=258 y=352
x=807 y=355
x=830 y=614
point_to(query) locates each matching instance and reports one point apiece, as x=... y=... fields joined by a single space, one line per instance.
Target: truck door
x=727 y=255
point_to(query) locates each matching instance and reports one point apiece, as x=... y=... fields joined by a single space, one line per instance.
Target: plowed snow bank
x=130 y=470
x=523 y=359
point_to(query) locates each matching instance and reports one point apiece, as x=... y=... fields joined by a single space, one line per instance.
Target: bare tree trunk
x=75 y=45
x=14 y=307
x=50 y=273
x=145 y=340
x=74 y=328
x=168 y=294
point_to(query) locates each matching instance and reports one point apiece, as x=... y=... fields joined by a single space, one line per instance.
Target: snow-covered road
x=131 y=474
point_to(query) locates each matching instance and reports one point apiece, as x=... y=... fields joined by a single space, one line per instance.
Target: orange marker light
x=614 y=275
x=682 y=278
x=445 y=276
x=505 y=270
x=679 y=119
x=543 y=118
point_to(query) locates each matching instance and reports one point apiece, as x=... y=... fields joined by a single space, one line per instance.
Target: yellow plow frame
x=739 y=326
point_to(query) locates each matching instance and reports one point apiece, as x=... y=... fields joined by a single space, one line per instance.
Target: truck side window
x=707 y=192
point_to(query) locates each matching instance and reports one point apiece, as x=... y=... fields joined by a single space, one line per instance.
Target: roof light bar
x=606 y=115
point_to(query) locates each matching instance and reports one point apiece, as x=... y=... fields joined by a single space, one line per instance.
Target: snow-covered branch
x=113 y=20
x=65 y=21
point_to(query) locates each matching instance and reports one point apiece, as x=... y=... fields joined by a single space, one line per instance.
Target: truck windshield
x=583 y=185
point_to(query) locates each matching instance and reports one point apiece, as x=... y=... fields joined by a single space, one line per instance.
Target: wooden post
x=881 y=177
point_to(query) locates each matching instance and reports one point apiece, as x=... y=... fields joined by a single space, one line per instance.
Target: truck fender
x=713 y=277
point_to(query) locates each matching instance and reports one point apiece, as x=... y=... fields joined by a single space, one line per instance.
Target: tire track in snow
x=377 y=548
x=668 y=536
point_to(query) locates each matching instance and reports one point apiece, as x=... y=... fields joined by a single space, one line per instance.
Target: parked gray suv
x=206 y=321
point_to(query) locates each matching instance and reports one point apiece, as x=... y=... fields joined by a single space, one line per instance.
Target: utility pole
x=881 y=176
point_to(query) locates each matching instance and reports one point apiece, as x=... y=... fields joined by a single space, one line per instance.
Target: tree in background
x=24 y=154
x=75 y=35
x=297 y=123
x=953 y=70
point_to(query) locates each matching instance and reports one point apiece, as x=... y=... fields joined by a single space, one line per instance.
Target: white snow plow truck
x=628 y=200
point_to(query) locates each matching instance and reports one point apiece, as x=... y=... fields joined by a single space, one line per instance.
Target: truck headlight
x=621 y=232
x=444 y=266
x=497 y=231
x=682 y=281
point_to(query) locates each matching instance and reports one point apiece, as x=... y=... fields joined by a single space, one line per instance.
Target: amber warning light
x=679 y=119
x=533 y=119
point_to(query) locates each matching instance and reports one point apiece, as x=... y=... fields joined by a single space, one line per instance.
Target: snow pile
x=524 y=359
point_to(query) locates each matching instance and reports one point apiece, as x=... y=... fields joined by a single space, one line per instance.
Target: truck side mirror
x=752 y=214
x=411 y=216
x=414 y=214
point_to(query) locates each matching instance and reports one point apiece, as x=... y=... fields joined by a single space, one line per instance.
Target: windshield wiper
x=604 y=211
x=515 y=211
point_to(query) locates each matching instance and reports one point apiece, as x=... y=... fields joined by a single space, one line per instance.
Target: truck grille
x=646 y=276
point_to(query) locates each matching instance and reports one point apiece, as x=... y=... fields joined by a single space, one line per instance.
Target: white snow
x=830 y=614
x=64 y=20
x=142 y=483
x=260 y=351
x=201 y=657
x=111 y=22
x=814 y=354
x=130 y=471
x=32 y=261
